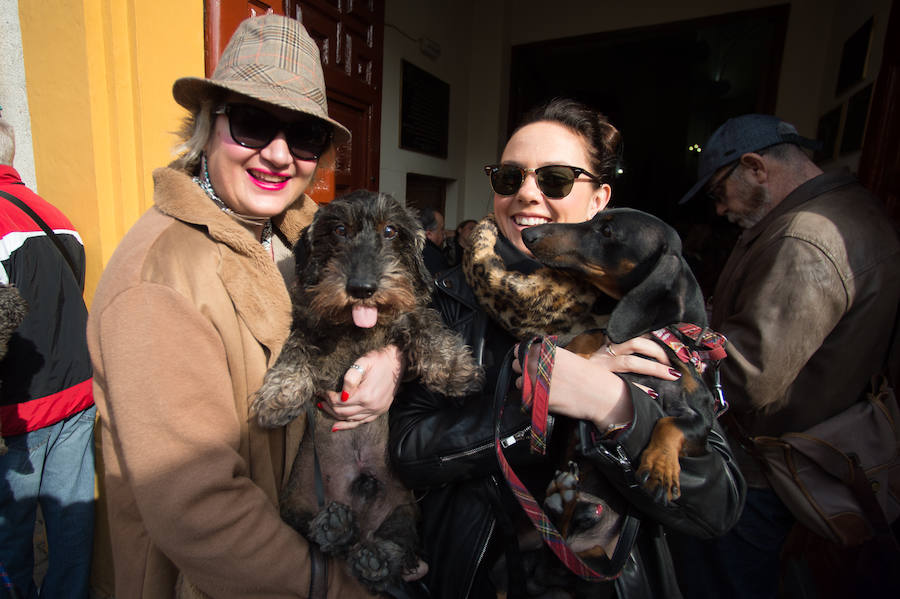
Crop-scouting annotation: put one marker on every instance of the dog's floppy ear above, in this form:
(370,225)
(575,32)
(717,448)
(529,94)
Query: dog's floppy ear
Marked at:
(424,278)
(306,268)
(668,295)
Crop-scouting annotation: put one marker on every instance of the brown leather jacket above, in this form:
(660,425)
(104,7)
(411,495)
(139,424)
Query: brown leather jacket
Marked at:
(808,300)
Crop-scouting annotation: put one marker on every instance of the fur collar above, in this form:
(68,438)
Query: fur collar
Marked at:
(176,195)
(248,271)
(525,297)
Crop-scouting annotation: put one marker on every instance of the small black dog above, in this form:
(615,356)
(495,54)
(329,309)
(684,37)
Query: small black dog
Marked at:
(361,285)
(12,312)
(636,258)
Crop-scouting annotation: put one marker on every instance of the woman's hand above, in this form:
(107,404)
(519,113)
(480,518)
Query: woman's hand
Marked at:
(369,388)
(588,389)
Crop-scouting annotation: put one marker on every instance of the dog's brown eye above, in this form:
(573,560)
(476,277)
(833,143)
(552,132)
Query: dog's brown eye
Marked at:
(606,231)
(340,231)
(389,232)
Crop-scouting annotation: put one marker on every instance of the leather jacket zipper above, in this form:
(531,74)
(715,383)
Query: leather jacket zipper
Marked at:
(484,547)
(504,442)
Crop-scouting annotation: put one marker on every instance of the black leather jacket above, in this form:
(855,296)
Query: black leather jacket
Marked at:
(443,447)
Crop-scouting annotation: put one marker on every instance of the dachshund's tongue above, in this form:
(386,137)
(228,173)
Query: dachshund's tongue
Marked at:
(365,316)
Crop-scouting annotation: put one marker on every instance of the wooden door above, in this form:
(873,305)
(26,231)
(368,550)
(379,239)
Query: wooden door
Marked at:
(223,17)
(350,35)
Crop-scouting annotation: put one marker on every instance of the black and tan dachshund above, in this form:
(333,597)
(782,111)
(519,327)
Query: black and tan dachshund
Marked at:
(634,257)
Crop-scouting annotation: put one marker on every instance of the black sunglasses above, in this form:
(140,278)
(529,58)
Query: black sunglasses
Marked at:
(712,192)
(555,180)
(253,127)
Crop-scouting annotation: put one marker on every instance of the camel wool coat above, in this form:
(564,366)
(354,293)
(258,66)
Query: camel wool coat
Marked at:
(189,314)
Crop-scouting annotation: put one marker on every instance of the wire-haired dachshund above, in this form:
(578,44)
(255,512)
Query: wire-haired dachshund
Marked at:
(634,257)
(361,285)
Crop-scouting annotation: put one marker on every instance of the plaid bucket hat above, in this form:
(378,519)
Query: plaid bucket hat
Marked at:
(270,58)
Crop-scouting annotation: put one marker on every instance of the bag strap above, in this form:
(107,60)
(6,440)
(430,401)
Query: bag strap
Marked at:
(845,467)
(318,573)
(47,230)
(747,444)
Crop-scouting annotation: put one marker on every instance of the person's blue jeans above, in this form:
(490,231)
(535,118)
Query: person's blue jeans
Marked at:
(53,467)
(742,564)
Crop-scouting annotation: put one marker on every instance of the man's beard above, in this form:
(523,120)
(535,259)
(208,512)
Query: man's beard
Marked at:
(760,203)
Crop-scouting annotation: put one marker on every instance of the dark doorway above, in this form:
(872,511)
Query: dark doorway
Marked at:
(665,88)
(424,191)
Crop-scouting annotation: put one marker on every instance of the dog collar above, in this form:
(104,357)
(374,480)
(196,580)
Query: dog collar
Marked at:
(711,344)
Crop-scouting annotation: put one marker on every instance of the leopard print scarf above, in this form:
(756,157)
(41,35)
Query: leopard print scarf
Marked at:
(525,297)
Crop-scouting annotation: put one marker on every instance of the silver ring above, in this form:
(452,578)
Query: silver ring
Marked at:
(610,351)
(358,367)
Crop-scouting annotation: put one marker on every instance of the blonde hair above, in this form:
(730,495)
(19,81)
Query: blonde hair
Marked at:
(196,129)
(7,143)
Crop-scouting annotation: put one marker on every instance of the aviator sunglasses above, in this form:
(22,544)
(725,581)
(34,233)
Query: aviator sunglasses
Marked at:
(555,180)
(255,128)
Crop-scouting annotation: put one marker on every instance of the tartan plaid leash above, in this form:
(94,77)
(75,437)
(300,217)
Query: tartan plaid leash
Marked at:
(535,394)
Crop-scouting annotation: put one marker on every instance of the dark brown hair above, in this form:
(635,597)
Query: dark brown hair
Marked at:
(602,140)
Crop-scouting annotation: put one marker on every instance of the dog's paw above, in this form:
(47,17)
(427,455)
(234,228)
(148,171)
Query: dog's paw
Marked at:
(376,565)
(659,473)
(334,528)
(561,492)
(461,377)
(281,398)
(574,511)
(588,521)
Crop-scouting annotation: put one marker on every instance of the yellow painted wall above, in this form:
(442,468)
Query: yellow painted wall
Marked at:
(99,75)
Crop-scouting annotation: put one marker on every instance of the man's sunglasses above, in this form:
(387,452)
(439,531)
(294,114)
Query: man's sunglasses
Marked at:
(555,180)
(713,192)
(255,128)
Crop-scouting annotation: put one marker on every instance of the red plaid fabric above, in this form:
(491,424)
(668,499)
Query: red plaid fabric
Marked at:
(535,394)
(713,344)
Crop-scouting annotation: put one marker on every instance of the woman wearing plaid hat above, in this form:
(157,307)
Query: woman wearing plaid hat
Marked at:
(191,311)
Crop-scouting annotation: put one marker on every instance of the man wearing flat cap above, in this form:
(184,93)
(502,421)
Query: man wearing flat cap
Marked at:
(808,300)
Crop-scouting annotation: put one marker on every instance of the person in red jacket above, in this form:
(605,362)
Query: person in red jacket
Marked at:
(46,398)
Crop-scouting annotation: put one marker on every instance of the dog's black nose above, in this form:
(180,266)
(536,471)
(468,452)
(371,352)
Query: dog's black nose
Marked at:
(361,289)
(532,235)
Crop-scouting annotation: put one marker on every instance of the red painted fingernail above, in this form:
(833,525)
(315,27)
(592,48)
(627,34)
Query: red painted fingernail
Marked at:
(674,372)
(319,405)
(344,396)
(334,428)
(652,393)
